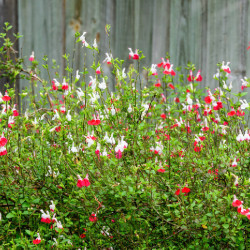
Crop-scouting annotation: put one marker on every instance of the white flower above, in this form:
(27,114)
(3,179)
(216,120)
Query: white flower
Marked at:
(230,85)
(244,104)
(189,100)
(217,75)
(240,137)
(77,75)
(93,97)
(246,136)
(42,117)
(56,116)
(68,116)
(82,38)
(52,206)
(57,84)
(73,149)
(95,44)
(153,69)
(35,122)
(79,93)
(102,85)
(108,58)
(112,110)
(130,108)
(59,224)
(92,82)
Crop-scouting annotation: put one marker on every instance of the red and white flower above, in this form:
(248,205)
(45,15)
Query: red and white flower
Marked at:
(6,97)
(37,240)
(3,140)
(32,56)
(133,55)
(45,217)
(108,58)
(225,67)
(83,182)
(65,85)
(236,202)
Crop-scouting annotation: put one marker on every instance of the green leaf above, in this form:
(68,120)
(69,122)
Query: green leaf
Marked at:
(11,215)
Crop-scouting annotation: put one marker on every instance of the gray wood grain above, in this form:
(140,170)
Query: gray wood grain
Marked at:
(203,32)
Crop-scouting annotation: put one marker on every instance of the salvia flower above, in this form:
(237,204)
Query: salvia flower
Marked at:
(133,55)
(236,202)
(244,104)
(32,56)
(232,112)
(37,240)
(93,217)
(6,97)
(103,85)
(169,71)
(98,70)
(244,83)
(153,70)
(94,121)
(185,190)
(108,58)
(83,39)
(83,182)
(55,84)
(240,137)
(95,44)
(65,85)
(45,217)
(225,67)
(3,140)
(3,151)
(77,75)
(52,206)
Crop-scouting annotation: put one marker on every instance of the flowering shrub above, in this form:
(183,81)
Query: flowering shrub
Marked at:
(153,165)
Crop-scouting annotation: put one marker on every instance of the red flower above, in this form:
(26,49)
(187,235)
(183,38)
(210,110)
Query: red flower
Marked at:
(65,85)
(6,98)
(169,71)
(133,55)
(163,116)
(158,84)
(94,122)
(208,99)
(36,241)
(83,183)
(93,217)
(98,71)
(161,170)
(177,191)
(176,99)
(171,86)
(3,151)
(236,202)
(190,77)
(32,57)
(232,112)
(86,182)
(185,190)
(58,129)
(3,140)
(198,77)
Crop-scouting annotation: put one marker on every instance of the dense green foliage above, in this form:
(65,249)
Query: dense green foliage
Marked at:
(164,159)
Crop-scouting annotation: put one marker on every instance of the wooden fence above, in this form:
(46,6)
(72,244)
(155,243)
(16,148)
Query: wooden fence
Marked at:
(204,32)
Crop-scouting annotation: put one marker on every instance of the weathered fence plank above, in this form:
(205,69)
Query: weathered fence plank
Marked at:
(203,32)
(8,13)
